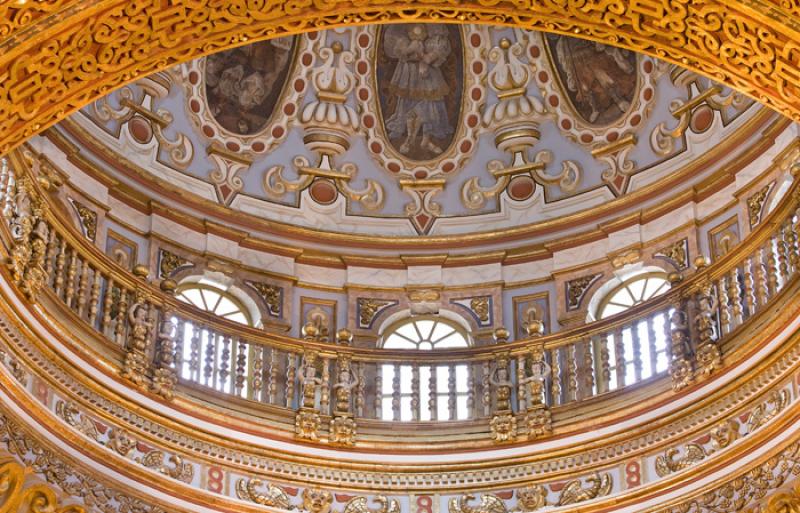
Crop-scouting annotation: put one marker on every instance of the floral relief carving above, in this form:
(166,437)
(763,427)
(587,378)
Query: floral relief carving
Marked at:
(88,219)
(577,288)
(677,253)
(272,295)
(369,308)
(169,262)
(755,205)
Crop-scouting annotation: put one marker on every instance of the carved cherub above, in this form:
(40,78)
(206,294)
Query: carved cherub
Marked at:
(309,381)
(347,381)
(501,380)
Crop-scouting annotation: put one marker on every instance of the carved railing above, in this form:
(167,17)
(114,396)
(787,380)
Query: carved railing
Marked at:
(512,386)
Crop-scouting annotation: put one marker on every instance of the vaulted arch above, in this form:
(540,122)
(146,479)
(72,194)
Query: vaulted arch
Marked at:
(57,56)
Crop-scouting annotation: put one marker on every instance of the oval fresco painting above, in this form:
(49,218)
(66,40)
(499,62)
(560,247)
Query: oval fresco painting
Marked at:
(600,80)
(420,84)
(243,85)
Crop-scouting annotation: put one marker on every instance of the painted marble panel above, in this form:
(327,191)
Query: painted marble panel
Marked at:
(600,81)
(243,85)
(420,84)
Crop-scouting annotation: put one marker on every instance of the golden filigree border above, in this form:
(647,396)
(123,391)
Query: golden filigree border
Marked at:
(53,65)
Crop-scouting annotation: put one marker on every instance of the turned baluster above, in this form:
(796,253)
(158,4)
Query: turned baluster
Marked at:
(521,388)
(604,381)
(471,407)
(274,370)
(223,370)
(378,403)
(486,398)
(681,369)
(50,258)
(291,374)
(432,394)
(256,372)
(122,313)
(572,372)
(61,259)
(761,291)
(735,298)
(451,391)
(587,371)
(241,367)
(415,397)
(619,357)
(793,243)
(361,389)
(555,381)
(325,394)
(195,346)
(72,271)
(94,298)
(108,300)
(749,292)
(83,286)
(772,266)
(783,253)
(724,305)
(180,334)
(637,352)
(396,392)
(651,343)
(210,358)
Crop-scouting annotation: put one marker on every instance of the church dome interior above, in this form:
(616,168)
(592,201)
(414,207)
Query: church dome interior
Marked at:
(417,266)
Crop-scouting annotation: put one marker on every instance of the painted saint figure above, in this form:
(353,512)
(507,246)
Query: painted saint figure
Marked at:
(420,116)
(600,80)
(243,84)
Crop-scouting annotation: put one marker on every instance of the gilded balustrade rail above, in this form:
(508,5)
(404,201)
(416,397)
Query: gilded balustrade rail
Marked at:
(511,385)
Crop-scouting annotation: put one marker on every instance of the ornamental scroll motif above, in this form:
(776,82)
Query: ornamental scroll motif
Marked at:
(272,295)
(88,219)
(370,308)
(328,122)
(421,133)
(515,118)
(600,96)
(23,492)
(750,47)
(577,288)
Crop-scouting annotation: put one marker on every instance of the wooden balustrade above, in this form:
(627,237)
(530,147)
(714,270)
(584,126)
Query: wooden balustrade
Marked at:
(168,342)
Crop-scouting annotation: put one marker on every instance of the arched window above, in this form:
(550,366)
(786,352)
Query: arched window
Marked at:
(216,300)
(425,334)
(442,389)
(206,356)
(631,292)
(644,343)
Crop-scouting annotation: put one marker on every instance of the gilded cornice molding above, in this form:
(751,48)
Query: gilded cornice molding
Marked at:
(755,136)
(55,64)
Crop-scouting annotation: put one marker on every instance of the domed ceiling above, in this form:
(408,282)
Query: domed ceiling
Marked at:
(407,130)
